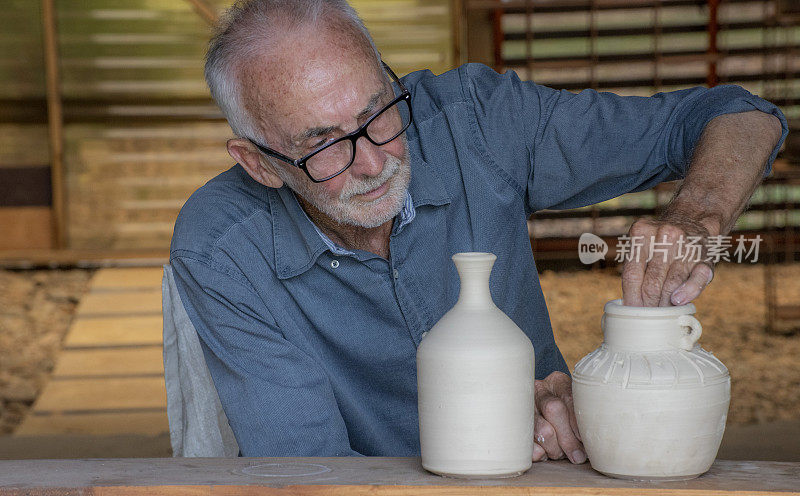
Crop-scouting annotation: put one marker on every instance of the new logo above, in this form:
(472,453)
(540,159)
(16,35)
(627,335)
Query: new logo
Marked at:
(591,248)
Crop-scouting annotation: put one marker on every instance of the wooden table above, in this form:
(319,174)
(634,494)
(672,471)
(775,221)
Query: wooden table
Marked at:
(354,476)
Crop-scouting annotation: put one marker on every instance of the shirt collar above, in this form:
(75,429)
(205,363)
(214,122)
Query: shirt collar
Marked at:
(298,242)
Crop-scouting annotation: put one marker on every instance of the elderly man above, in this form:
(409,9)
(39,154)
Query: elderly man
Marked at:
(313,267)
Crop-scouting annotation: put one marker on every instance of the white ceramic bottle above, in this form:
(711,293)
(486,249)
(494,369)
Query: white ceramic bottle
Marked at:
(651,404)
(475,373)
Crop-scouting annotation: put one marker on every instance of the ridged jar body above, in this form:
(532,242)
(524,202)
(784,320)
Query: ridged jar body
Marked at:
(651,404)
(475,373)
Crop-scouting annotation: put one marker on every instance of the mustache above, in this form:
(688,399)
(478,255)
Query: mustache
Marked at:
(390,168)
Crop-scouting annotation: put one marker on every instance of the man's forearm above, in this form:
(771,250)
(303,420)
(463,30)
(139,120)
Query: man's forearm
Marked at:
(726,168)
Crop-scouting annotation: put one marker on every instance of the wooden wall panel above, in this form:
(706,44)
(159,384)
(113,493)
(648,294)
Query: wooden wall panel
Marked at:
(25,228)
(131,71)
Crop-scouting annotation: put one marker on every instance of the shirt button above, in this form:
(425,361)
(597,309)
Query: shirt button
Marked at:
(396,273)
(424,334)
(334,264)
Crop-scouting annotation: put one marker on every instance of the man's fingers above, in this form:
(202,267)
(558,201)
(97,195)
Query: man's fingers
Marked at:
(678,274)
(562,388)
(539,454)
(554,404)
(556,413)
(632,276)
(699,278)
(654,273)
(654,277)
(661,257)
(633,271)
(545,436)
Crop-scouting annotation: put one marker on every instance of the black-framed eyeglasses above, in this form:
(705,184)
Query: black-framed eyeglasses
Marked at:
(331,159)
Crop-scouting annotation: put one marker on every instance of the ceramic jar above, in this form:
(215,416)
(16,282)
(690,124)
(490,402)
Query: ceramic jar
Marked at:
(651,404)
(475,373)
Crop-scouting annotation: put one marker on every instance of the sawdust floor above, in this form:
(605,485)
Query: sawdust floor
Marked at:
(36,308)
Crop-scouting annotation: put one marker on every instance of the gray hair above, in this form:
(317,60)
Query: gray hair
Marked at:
(250,26)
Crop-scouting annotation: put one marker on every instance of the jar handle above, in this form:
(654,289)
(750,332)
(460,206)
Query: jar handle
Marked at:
(691,336)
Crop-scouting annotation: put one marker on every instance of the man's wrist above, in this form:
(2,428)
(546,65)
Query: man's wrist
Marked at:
(694,221)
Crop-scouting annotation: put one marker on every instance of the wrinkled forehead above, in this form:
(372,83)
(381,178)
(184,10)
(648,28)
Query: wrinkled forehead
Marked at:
(305,73)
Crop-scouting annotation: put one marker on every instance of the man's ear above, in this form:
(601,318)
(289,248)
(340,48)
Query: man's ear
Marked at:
(248,156)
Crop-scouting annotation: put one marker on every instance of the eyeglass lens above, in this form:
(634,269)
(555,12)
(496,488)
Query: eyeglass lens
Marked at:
(385,127)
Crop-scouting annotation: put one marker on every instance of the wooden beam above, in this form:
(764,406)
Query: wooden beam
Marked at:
(457,16)
(55,119)
(713,29)
(205,10)
(18,258)
(497,39)
(478,34)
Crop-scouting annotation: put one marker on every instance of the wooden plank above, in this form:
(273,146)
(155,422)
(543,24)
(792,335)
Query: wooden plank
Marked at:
(787,312)
(84,395)
(367,475)
(110,362)
(117,331)
(97,424)
(137,277)
(25,228)
(129,303)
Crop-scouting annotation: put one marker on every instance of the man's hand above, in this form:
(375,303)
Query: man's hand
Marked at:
(555,431)
(726,167)
(673,275)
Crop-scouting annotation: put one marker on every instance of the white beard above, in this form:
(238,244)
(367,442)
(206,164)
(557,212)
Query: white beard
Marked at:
(346,210)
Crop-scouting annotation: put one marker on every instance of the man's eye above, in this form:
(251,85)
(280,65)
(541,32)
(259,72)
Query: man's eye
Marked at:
(317,143)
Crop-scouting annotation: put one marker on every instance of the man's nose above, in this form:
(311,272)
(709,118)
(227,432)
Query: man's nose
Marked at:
(369,159)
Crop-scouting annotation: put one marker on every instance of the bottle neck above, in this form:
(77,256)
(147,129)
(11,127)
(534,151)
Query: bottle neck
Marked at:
(630,333)
(474,270)
(475,289)
(646,334)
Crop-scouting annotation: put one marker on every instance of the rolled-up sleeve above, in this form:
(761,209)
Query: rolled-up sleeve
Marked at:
(567,150)
(277,398)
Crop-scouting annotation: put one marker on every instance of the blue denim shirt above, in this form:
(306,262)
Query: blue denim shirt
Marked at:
(312,349)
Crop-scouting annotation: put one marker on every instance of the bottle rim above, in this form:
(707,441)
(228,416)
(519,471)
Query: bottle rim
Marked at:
(615,307)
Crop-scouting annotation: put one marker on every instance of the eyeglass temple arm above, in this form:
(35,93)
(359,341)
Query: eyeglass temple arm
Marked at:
(391,73)
(273,153)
